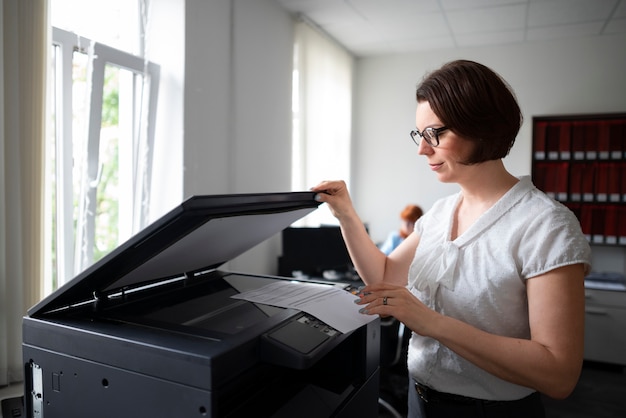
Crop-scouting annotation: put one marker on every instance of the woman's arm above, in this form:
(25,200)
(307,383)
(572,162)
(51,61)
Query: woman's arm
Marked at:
(371,264)
(550,362)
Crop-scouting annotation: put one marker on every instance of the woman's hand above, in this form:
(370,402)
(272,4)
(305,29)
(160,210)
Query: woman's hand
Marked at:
(397,301)
(336,194)
(367,259)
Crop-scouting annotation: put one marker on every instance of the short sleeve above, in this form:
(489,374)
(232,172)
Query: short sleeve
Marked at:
(553,240)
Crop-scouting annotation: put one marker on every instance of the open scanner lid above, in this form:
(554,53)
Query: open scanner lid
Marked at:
(200,234)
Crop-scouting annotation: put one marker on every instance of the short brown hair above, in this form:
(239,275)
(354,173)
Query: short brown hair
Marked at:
(411,213)
(477,104)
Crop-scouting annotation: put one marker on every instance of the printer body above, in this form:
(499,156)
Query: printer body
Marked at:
(152,329)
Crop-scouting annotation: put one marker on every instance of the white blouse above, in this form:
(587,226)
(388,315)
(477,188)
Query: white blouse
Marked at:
(480,278)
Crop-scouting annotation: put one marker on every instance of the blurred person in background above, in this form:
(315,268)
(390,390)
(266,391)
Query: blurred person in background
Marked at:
(409,215)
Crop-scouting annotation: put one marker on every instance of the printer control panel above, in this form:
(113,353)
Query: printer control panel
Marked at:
(317,325)
(298,342)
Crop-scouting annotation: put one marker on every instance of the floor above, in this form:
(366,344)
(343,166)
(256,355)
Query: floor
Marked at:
(11,401)
(600,393)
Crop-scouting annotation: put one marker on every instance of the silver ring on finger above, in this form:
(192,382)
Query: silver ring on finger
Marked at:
(385,300)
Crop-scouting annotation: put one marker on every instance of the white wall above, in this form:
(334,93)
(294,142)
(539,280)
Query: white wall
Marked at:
(237,118)
(237,104)
(554,77)
(166,37)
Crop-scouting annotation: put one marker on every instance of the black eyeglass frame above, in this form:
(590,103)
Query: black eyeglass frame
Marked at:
(430,135)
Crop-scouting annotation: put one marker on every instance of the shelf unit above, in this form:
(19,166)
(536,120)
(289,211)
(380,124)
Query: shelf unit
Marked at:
(605,319)
(580,160)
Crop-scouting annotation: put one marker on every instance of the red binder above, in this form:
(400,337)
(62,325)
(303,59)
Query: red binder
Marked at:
(621,226)
(561,186)
(610,224)
(602,182)
(540,140)
(597,225)
(604,143)
(591,140)
(553,140)
(565,140)
(587,184)
(575,182)
(578,140)
(617,139)
(623,181)
(614,188)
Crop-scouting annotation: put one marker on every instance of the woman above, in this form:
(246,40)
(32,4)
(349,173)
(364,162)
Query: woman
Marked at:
(491,282)
(409,215)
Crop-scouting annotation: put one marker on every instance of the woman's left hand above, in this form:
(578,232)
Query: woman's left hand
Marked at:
(397,301)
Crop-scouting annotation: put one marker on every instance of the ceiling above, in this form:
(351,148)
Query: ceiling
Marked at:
(376,27)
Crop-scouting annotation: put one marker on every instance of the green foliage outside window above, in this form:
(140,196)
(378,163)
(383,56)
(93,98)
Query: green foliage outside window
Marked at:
(107,206)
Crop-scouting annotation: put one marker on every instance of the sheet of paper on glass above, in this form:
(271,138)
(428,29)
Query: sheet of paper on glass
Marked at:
(328,303)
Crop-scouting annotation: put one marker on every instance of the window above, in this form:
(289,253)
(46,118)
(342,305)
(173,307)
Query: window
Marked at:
(99,151)
(322,114)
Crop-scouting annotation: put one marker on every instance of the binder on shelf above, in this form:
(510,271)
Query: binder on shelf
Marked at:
(610,224)
(591,140)
(597,225)
(617,141)
(565,140)
(553,140)
(539,142)
(587,184)
(561,178)
(575,182)
(578,140)
(614,177)
(602,182)
(552,179)
(604,143)
(621,226)
(623,180)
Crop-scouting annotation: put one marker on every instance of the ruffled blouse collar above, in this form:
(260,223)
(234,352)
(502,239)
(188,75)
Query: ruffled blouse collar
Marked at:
(436,266)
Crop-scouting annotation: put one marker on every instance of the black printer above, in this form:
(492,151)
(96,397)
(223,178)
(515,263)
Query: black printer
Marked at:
(151,330)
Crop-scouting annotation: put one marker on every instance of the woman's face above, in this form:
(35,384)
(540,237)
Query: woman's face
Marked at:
(445,159)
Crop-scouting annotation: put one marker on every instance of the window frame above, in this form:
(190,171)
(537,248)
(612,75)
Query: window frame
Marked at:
(72,258)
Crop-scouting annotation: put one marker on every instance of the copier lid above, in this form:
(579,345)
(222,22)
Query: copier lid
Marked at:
(200,234)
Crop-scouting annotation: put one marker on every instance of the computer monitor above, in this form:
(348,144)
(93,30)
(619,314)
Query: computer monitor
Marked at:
(314,252)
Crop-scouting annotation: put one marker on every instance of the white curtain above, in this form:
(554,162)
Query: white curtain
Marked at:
(322,112)
(23,60)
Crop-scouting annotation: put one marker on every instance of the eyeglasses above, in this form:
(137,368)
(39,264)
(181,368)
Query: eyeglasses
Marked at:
(431,135)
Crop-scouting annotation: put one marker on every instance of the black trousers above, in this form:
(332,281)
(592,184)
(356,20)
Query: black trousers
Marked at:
(528,407)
